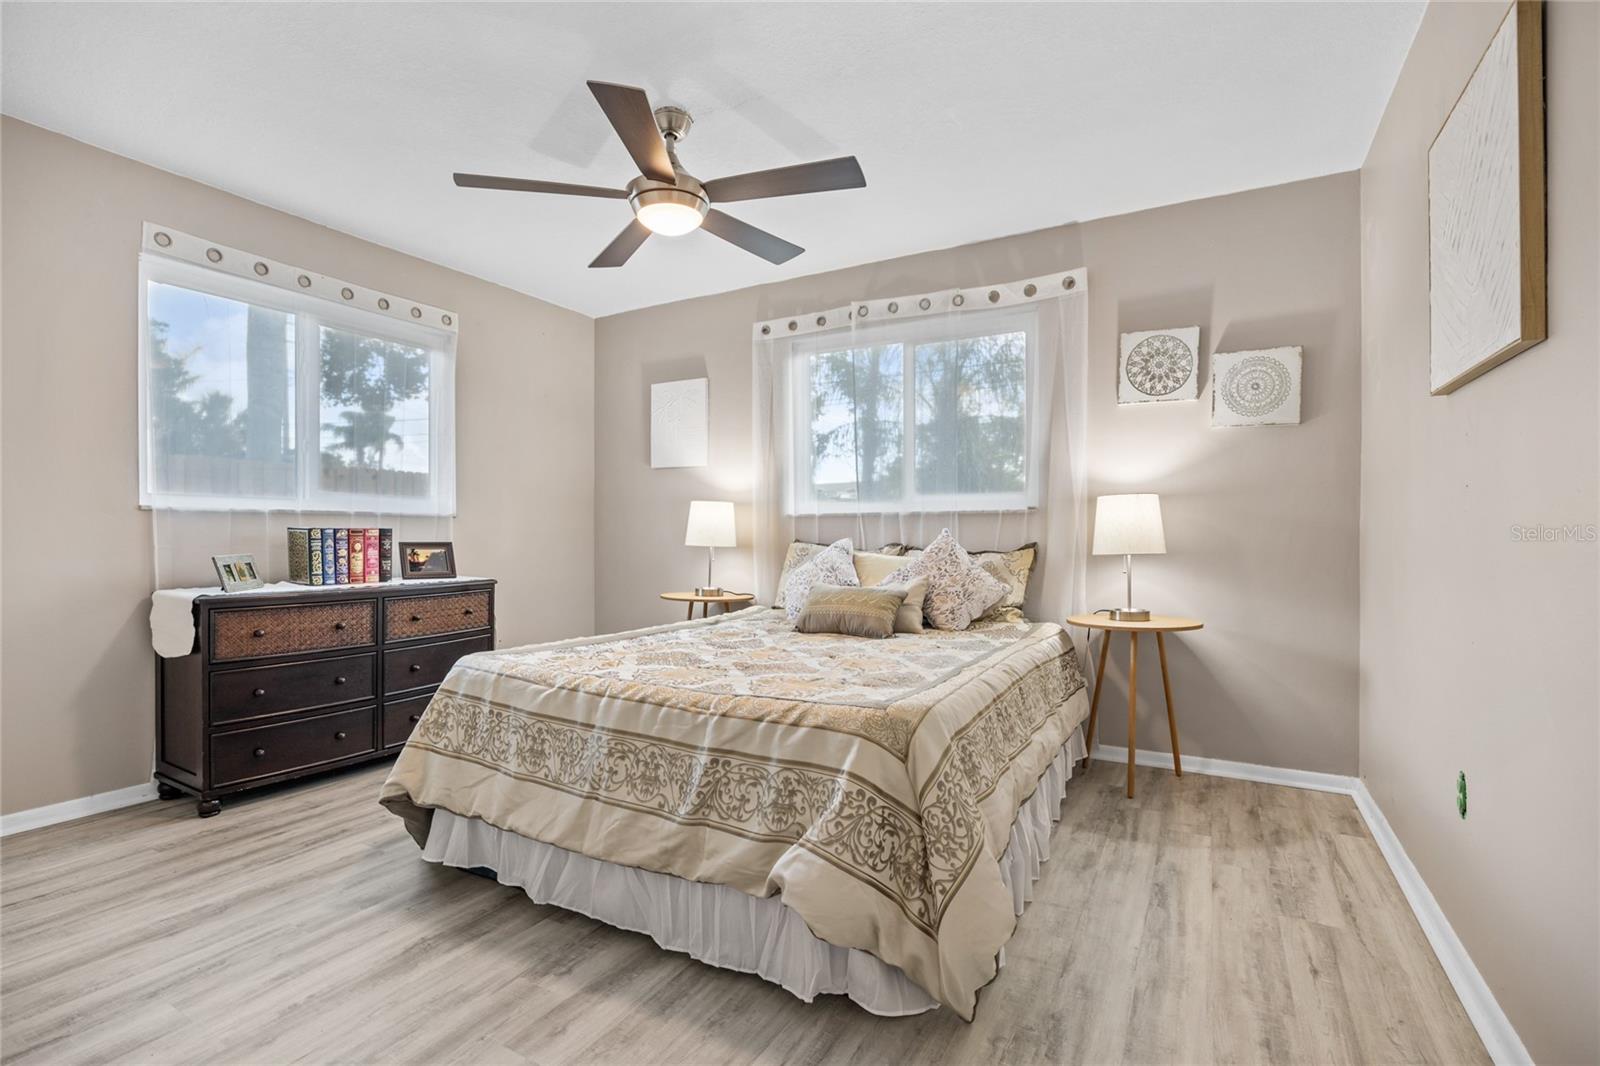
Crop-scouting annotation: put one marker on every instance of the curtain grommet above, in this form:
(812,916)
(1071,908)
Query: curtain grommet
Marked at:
(383,304)
(416,312)
(862,310)
(1069,282)
(822,320)
(894,308)
(1030,289)
(446,319)
(958,299)
(164,240)
(793,325)
(925,303)
(305,282)
(994,296)
(261,269)
(766,331)
(213,255)
(347,293)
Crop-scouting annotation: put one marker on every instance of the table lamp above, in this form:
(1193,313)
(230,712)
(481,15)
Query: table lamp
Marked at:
(1129,525)
(710,527)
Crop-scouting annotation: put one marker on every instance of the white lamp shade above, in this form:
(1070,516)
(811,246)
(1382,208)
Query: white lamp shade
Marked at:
(710,525)
(1129,525)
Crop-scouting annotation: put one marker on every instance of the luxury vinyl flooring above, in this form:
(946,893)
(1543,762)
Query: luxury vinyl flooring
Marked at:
(1208,920)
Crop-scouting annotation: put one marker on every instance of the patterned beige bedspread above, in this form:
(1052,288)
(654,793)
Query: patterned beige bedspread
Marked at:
(872,782)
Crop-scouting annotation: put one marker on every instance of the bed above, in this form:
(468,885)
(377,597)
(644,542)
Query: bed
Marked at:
(835,814)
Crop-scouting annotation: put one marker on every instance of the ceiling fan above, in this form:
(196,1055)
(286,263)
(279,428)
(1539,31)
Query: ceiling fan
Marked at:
(667,199)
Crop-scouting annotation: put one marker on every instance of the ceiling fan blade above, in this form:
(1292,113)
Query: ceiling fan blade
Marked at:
(488,181)
(626,243)
(744,235)
(830,174)
(628,108)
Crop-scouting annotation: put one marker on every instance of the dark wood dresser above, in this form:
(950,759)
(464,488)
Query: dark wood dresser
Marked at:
(285,684)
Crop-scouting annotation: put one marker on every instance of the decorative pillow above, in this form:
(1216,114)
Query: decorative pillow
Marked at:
(873,567)
(1013,568)
(799,552)
(893,548)
(830,566)
(959,590)
(852,611)
(908,619)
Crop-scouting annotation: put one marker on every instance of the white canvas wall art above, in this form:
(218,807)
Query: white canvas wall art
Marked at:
(1260,388)
(1159,364)
(680,422)
(1486,212)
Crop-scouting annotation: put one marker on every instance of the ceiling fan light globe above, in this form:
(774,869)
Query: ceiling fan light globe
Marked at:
(669,219)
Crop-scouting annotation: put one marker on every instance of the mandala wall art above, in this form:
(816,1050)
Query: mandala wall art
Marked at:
(1256,388)
(1159,364)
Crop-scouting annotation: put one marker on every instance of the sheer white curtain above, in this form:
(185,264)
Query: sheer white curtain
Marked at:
(888,420)
(272,398)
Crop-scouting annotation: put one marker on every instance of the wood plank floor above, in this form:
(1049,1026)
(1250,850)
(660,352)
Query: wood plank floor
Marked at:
(1208,920)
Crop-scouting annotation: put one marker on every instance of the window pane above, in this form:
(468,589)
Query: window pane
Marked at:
(856,423)
(970,402)
(221,396)
(374,416)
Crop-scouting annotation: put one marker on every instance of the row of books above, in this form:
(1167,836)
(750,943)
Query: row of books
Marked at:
(321,555)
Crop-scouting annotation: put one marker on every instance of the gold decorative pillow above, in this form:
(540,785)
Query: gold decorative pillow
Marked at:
(1013,568)
(873,567)
(908,619)
(854,612)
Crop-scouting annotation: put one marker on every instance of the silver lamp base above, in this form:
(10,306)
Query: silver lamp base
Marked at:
(1129,614)
(707,590)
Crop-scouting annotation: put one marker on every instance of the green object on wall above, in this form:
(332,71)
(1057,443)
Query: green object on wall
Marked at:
(1461,793)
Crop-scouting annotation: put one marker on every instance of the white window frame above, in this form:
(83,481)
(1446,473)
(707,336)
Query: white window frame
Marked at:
(801,495)
(311,314)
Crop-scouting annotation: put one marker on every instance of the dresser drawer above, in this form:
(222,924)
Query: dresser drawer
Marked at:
(257,632)
(400,718)
(426,664)
(427,616)
(262,690)
(276,749)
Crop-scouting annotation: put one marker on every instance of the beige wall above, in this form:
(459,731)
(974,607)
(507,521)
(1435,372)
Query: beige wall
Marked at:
(77,567)
(1477,651)
(1261,523)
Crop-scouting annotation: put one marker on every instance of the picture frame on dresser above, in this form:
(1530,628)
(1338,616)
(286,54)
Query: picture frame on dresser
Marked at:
(285,684)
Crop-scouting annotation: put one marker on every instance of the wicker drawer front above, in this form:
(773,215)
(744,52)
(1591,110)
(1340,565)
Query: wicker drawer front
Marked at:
(254,633)
(264,690)
(276,749)
(426,616)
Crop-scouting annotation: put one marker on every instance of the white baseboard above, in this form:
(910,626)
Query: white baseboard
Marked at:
(67,810)
(1244,771)
(1494,1028)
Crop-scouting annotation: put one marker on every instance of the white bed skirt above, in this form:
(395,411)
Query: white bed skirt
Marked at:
(725,927)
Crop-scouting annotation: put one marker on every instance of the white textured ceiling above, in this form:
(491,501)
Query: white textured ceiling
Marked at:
(971,121)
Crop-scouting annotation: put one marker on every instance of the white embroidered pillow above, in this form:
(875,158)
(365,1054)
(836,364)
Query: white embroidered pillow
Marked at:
(830,566)
(959,590)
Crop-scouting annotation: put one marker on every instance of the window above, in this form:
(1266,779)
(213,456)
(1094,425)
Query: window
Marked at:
(253,398)
(924,415)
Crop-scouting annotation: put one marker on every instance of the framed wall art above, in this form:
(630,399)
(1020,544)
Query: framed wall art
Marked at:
(1486,211)
(1260,388)
(680,422)
(1159,364)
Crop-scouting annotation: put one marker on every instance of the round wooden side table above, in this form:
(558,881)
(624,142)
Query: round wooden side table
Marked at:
(1160,625)
(727,600)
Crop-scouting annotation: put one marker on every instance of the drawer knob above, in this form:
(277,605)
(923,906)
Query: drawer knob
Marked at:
(416,718)
(416,618)
(259,633)
(258,693)
(338,681)
(259,752)
(415,667)
(467,611)
(338,625)
(340,735)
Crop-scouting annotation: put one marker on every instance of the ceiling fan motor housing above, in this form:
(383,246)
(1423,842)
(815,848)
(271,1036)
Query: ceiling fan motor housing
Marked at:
(673,122)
